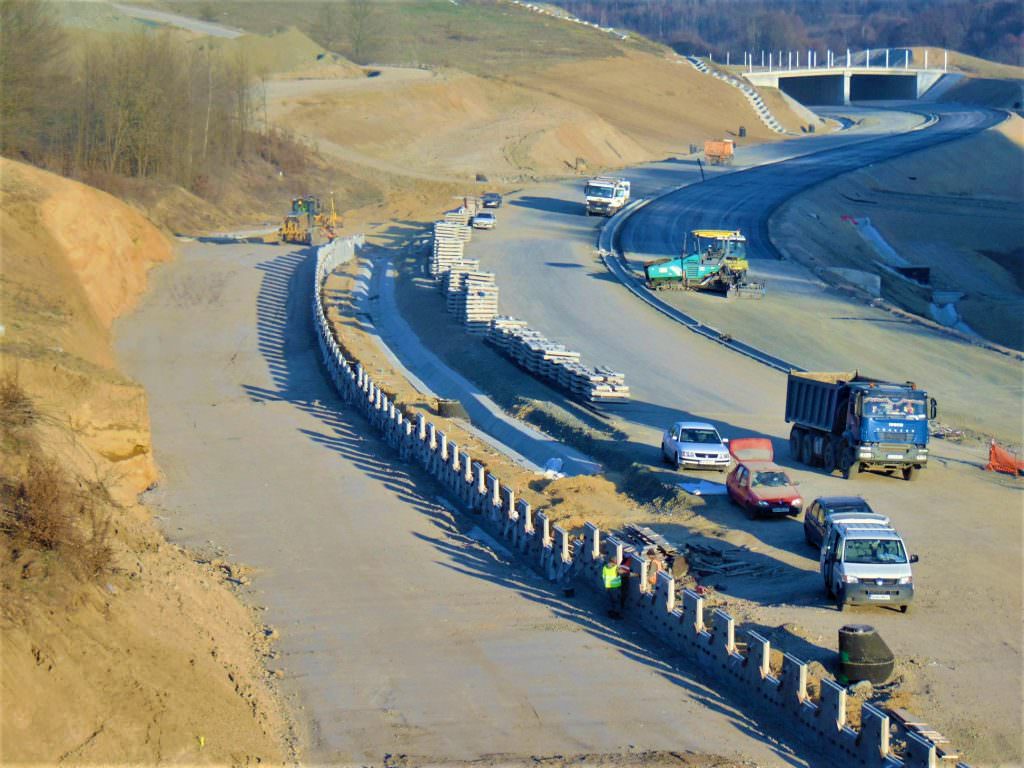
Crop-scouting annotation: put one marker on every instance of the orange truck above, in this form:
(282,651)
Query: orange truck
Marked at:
(717,152)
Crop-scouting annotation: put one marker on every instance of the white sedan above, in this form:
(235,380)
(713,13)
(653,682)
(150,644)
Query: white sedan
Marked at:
(484,220)
(696,445)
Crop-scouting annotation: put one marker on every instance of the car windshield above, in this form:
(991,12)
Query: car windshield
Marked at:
(594,191)
(875,552)
(708,436)
(882,406)
(771,479)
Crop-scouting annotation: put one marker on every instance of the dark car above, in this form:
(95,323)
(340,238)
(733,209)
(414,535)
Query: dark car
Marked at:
(829,510)
(491,200)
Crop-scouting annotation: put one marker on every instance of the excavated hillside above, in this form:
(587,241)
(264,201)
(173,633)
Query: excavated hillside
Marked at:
(118,647)
(581,116)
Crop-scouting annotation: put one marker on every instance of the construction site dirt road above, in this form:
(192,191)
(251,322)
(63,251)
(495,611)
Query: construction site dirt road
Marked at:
(400,633)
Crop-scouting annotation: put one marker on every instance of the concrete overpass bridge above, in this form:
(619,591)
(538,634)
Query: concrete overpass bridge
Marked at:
(836,85)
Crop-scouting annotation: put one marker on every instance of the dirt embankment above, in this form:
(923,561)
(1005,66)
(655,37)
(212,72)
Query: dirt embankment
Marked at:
(954,209)
(580,116)
(147,655)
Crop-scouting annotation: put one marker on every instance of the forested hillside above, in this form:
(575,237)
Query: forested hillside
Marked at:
(991,29)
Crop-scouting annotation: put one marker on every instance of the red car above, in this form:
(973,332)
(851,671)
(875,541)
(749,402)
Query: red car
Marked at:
(756,484)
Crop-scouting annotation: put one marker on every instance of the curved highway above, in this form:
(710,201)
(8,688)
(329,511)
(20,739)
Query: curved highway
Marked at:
(542,252)
(745,200)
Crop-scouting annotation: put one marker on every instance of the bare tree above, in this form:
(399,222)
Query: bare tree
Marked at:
(31,56)
(330,26)
(364,29)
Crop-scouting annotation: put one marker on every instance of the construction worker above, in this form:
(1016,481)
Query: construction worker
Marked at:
(654,566)
(612,581)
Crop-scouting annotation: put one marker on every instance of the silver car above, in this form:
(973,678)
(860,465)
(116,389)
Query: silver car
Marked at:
(484,220)
(695,445)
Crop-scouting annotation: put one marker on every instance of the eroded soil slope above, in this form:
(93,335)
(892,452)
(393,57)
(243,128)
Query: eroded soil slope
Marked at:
(145,655)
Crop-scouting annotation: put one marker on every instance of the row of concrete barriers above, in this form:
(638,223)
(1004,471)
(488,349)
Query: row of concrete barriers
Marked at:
(708,642)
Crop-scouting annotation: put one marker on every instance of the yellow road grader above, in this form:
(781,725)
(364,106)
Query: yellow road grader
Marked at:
(308,223)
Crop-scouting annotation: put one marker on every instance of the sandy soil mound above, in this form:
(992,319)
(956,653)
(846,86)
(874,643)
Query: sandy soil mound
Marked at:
(156,653)
(74,259)
(462,124)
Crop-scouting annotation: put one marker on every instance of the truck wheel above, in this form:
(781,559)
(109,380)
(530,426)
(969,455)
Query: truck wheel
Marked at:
(904,608)
(795,439)
(679,461)
(829,460)
(840,599)
(807,450)
(909,473)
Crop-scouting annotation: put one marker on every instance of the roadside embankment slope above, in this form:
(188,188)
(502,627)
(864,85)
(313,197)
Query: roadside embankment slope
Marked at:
(954,209)
(146,656)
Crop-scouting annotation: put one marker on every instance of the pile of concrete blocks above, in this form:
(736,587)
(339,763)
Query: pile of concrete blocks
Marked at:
(451,281)
(555,363)
(476,304)
(706,640)
(464,213)
(450,238)
(471,295)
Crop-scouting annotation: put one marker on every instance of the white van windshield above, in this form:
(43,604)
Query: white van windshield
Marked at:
(874,552)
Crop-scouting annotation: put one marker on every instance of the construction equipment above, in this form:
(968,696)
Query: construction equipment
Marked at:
(308,223)
(850,422)
(714,260)
(719,151)
(605,195)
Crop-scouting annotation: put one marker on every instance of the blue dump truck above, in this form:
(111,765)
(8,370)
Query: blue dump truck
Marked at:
(850,422)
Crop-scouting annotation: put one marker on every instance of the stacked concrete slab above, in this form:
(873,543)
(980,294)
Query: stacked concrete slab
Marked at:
(475,302)
(449,243)
(555,363)
(706,640)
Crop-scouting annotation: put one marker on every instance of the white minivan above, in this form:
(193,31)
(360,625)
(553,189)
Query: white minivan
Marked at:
(867,564)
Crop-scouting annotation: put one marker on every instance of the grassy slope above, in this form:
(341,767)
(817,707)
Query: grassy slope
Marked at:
(472,37)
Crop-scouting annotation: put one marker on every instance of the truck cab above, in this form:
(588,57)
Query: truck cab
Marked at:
(867,564)
(889,426)
(605,196)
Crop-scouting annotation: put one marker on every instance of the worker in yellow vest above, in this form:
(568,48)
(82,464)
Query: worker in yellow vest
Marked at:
(612,579)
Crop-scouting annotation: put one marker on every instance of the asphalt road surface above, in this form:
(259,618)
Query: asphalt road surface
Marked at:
(543,254)
(400,633)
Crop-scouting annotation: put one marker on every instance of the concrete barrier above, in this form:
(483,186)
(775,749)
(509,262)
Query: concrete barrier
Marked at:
(708,642)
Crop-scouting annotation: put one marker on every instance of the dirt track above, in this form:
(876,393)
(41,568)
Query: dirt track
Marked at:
(399,633)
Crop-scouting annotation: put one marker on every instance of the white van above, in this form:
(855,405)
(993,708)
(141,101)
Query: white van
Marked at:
(867,564)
